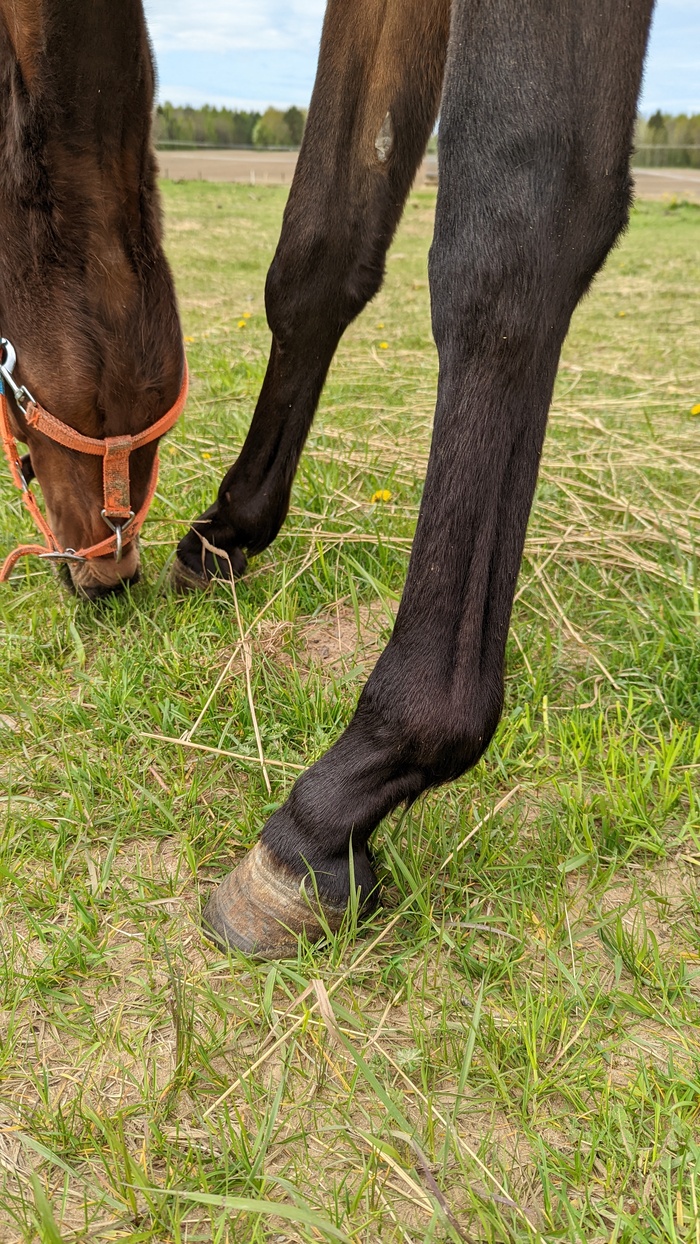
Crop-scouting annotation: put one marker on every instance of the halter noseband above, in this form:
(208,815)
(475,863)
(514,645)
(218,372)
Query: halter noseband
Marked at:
(114,451)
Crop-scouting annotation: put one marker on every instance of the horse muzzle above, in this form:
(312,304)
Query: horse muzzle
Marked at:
(116,512)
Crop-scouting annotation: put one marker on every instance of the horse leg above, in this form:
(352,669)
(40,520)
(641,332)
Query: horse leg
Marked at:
(374,105)
(535,136)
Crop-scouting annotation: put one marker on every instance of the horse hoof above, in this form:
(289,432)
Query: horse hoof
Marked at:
(184,579)
(261,909)
(197,573)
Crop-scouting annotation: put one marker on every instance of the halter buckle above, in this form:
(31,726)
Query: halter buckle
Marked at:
(68,555)
(20,393)
(118,527)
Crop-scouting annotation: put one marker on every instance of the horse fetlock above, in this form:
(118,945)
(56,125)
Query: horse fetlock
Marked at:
(453,757)
(429,731)
(313,835)
(255,519)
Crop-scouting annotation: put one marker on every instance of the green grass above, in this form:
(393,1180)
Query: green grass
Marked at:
(511,1049)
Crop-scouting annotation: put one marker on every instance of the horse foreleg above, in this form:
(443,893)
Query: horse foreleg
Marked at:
(373,108)
(536,130)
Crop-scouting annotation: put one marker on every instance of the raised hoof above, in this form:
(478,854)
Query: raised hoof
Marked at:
(261,909)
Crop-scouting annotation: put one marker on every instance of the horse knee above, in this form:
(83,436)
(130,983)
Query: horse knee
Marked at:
(319,281)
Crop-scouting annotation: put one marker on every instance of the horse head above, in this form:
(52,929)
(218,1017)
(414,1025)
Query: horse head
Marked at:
(86,295)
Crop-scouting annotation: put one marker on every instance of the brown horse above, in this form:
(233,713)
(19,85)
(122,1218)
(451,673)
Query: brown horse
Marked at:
(537,102)
(86,296)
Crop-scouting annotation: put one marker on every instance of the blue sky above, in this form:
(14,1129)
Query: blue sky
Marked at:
(249,53)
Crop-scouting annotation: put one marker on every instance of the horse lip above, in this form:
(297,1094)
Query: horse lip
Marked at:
(95,591)
(102,591)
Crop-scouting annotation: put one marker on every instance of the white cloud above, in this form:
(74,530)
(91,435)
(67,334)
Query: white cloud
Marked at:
(234,25)
(197,97)
(266,50)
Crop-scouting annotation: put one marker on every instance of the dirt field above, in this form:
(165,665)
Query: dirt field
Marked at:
(275,167)
(255,167)
(244,166)
(656,183)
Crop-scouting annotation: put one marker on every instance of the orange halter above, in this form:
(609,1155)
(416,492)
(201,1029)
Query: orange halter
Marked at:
(114,451)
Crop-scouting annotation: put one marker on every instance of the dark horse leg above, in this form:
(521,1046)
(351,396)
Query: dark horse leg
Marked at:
(536,129)
(374,105)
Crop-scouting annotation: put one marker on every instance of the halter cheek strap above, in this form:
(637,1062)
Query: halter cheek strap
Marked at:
(115,452)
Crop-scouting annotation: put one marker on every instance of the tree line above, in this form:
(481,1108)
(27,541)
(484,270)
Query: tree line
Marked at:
(662,139)
(224,127)
(668,140)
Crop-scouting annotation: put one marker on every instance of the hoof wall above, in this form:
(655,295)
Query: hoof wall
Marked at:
(184,579)
(261,909)
(198,573)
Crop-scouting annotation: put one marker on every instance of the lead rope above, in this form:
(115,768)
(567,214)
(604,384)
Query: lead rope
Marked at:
(9,445)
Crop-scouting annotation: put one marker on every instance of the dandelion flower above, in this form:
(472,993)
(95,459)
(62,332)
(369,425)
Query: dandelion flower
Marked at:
(383,345)
(205,454)
(241,323)
(382,495)
(622,314)
(246,315)
(188,341)
(695,410)
(380,325)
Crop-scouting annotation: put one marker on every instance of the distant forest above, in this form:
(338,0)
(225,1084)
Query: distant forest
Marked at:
(667,140)
(221,127)
(661,140)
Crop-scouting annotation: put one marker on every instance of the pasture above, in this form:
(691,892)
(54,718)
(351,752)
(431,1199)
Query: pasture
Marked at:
(510,1049)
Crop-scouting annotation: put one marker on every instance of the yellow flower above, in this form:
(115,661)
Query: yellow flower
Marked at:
(380,325)
(383,345)
(241,323)
(622,314)
(695,410)
(172,449)
(539,930)
(382,495)
(189,340)
(205,455)
(246,315)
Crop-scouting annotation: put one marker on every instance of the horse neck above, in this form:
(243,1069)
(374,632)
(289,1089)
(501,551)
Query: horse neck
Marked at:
(87,59)
(76,85)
